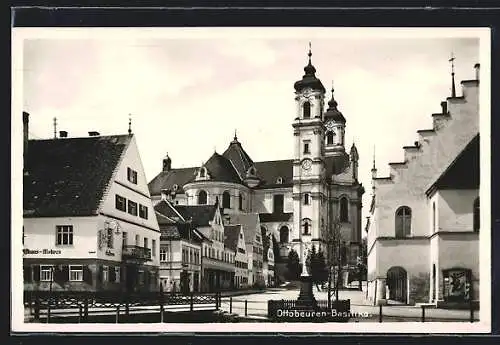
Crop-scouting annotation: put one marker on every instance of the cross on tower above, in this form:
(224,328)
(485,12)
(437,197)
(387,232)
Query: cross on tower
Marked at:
(453,90)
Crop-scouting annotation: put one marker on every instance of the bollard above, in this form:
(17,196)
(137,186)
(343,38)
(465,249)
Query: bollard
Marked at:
(117,314)
(126,311)
(86,310)
(191,306)
(161,313)
(423,313)
(471,313)
(246,307)
(48,313)
(230,305)
(80,313)
(380,313)
(37,308)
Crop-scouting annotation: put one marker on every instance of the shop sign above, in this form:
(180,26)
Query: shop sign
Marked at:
(27,251)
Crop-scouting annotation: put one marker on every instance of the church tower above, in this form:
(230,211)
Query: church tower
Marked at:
(308,165)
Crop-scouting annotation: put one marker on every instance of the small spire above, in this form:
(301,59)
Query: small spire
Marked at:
(332,103)
(235,139)
(452,60)
(310,52)
(129,124)
(55,127)
(374,167)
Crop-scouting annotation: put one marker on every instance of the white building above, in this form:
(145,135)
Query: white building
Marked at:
(235,240)
(424,218)
(89,222)
(297,198)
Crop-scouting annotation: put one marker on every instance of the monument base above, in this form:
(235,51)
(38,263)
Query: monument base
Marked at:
(306,295)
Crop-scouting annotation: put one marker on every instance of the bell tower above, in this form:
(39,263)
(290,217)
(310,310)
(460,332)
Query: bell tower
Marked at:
(308,163)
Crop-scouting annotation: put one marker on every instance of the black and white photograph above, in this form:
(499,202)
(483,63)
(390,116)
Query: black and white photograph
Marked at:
(214,179)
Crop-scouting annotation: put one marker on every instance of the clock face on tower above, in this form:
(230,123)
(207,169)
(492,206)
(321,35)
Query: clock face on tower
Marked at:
(306,164)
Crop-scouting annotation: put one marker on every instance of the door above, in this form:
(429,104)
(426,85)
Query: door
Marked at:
(397,284)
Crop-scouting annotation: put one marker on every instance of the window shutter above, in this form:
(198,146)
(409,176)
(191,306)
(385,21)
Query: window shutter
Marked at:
(27,274)
(36,273)
(87,275)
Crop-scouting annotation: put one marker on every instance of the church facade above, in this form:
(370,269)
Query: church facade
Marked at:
(299,200)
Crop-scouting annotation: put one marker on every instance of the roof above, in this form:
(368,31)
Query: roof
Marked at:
(275,217)
(309,79)
(249,223)
(220,169)
(463,172)
(166,209)
(269,171)
(238,156)
(181,231)
(68,177)
(332,112)
(201,215)
(231,236)
(167,179)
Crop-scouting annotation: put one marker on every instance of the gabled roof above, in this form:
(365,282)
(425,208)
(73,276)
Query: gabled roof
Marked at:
(167,179)
(68,177)
(238,156)
(249,223)
(166,209)
(200,215)
(463,172)
(231,236)
(275,217)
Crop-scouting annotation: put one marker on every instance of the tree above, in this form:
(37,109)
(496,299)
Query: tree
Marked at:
(316,266)
(276,251)
(293,265)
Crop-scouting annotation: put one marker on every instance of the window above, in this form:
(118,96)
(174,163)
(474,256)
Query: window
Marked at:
(153,247)
(279,180)
(226,200)
(434,217)
(132,208)
(403,221)
(132,175)
(202,197)
(120,203)
(203,172)
(146,242)
(306,198)
(329,137)
(278,200)
(64,235)
(105,273)
(117,274)
(284,233)
(306,223)
(137,239)
(163,255)
(476,215)
(140,277)
(307,110)
(344,210)
(46,273)
(109,238)
(124,239)
(206,252)
(240,202)
(306,147)
(143,211)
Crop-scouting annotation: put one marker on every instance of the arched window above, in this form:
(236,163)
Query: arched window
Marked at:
(329,138)
(306,224)
(202,197)
(240,202)
(403,221)
(306,198)
(203,172)
(476,215)
(307,110)
(284,233)
(226,200)
(344,210)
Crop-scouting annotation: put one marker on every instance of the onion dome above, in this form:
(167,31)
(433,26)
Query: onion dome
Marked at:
(309,79)
(332,113)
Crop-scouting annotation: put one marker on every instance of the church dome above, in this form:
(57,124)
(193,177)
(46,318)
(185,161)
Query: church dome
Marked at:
(332,113)
(309,79)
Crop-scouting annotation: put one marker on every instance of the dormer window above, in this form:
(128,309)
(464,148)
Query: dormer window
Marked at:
(175,187)
(279,180)
(203,172)
(251,171)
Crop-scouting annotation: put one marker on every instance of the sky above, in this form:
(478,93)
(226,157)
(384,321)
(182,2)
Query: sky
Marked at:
(188,93)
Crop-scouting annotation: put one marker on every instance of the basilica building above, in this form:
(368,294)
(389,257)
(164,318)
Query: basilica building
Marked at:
(299,201)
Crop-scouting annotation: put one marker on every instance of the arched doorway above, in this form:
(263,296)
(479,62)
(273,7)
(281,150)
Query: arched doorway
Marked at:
(284,233)
(397,284)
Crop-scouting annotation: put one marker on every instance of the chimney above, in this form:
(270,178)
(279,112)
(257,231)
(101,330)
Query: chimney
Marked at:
(444,108)
(94,134)
(26,119)
(476,67)
(63,134)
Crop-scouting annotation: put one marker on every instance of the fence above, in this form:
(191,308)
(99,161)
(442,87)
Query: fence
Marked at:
(427,313)
(46,305)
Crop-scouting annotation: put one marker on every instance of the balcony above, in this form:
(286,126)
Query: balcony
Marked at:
(136,253)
